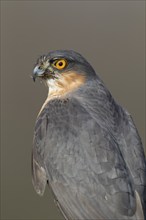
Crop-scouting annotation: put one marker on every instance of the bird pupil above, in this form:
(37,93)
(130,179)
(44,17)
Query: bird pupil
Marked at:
(60,63)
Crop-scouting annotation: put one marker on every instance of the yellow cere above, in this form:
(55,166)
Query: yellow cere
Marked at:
(60,64)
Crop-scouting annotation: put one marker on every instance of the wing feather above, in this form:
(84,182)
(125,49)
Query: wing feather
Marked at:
(39,178)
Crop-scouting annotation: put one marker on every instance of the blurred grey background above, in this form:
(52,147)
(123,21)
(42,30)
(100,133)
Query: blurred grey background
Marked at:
(110,34)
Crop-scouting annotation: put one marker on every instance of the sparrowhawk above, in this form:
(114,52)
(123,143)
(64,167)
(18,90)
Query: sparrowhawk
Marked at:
(86,146)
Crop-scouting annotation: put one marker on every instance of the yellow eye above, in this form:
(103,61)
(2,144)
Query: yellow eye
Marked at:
(60,64)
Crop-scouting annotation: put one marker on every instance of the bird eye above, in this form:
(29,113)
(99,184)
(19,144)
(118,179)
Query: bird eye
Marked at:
(60,64)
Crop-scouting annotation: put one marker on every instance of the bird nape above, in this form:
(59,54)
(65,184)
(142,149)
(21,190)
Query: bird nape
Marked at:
(86,146)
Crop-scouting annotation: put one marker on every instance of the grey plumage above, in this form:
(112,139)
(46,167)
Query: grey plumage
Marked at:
(88,149)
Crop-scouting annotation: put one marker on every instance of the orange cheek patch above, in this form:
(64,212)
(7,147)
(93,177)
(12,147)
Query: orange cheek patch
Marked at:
(67,83)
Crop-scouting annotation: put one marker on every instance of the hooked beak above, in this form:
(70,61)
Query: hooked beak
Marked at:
(37,72)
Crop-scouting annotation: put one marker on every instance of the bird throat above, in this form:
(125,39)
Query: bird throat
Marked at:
(65,84)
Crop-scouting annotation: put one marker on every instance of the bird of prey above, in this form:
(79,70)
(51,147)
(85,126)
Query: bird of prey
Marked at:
(86,146)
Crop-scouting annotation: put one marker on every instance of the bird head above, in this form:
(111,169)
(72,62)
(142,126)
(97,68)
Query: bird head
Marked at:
(63,69)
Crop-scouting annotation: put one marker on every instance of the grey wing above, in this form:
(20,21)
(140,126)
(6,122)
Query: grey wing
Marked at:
(39,178)
(89,176)
(118,122)
(102,108)
(133,153)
